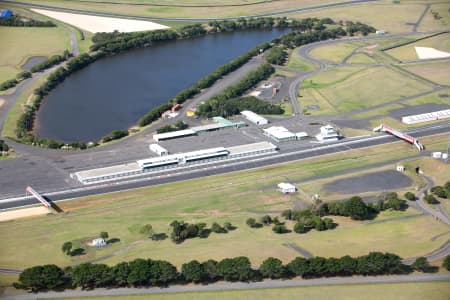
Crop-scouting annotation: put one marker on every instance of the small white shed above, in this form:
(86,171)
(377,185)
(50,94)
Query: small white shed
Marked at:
(400,168)
(98,242)
(286,188)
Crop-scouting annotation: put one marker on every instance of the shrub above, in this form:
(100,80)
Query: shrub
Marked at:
(410,196)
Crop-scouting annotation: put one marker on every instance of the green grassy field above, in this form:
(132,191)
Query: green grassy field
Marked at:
(386,15)
(438,72)
(429,22)
(230,197)
(334,53)
(18,44)
(345,89)
(296,63)
(406,53)
(392,291)
(360,58)
(187,12)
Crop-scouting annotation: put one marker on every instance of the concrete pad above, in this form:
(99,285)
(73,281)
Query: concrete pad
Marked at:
(428,52)
(371,182)
(100,24)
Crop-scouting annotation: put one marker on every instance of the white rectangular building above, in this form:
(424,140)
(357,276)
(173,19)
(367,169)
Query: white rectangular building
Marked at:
(280,134)
(286,188)
(158,149)
(427,117)
(252,117)
(173,134)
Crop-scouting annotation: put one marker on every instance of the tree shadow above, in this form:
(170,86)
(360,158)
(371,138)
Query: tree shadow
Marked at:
(77,252)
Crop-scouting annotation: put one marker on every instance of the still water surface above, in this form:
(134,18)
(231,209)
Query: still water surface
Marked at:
(114,92)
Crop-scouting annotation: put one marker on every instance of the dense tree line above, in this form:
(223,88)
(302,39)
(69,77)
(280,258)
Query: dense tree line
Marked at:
(276,56)
(148,272)
(230,107)
(153,114)
(183,230)
(21,21)
(223,105)
(180,125)
(358,27)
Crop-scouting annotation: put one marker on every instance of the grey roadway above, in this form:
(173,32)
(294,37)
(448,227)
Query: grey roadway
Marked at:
(226,166)
(230,286)
(104,14)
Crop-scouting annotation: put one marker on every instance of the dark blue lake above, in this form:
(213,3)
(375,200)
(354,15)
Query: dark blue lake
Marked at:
(114,92)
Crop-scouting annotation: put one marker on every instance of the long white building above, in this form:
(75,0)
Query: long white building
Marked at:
(254,118)
(156,164)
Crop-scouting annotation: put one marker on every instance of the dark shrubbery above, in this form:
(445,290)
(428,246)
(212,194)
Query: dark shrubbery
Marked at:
(154,114)
(148,272)
(114,135)
(276,56)
(21,21)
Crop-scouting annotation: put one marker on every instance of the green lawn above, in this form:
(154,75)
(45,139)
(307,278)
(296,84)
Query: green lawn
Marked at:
(18,44)
(361,58)
(296,63)
(230,197)
(346,89)
(385,291)
(334,53)
(405,53)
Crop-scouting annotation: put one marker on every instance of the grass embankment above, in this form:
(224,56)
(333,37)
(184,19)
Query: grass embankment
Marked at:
(394,18)
(361,58)
(9,126)
(385,291)
(345,89)
(20,43)
(407,52)
(230,197)
(187,12)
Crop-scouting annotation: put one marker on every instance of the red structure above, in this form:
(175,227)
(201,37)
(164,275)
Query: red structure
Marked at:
(36,195)
(401,135)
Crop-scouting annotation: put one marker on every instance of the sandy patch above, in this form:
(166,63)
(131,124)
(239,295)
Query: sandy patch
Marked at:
(22,213)
(427,53)
(2,102)
(101,24)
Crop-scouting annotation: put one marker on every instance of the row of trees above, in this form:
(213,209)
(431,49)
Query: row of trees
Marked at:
(148,272)
(114,135)
(21,21)
(183,230)
(15,81)
(276,56)
(221,104)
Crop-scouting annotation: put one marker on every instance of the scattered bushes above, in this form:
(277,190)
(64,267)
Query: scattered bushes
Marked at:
(252,223)
(430,199)
(441,192)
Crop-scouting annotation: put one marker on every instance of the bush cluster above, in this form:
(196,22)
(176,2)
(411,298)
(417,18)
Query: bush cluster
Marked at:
(21,21)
